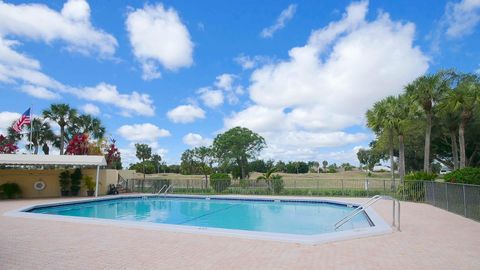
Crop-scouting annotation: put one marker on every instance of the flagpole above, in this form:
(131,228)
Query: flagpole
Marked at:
(31,130)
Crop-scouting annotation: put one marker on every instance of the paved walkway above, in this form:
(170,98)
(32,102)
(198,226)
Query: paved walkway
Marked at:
(431,238)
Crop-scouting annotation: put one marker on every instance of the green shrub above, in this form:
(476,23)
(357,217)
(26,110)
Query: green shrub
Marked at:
(412,190)
(76,178)
(277,183)
(466,175)
(421,176)
(64,180)
(220,181)
(11,190)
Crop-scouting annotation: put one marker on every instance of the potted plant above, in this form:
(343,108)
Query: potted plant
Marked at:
(11,190)
(76,177)
(64,180)
(89,185)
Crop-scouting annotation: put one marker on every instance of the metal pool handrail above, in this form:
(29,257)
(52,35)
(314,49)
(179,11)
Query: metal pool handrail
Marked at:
(364,206)
(166,190)
(160,191)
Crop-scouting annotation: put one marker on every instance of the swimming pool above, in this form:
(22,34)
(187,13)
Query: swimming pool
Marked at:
(297,220)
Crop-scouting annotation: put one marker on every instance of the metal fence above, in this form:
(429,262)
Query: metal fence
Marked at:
(462,199)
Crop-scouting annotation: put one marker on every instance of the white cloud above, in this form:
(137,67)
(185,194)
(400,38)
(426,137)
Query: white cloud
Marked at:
(39,92)
(140,104)
(89,108)
(6,120)
(211,98)
(225,81)
(185,114)
(142,132)
(72,25)
(196,140)
(285,16)
(249,62)
(462,17)
(158,36)
(306,101)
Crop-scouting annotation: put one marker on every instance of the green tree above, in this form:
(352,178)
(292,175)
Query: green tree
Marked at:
(324,164)
(382,125)
(401,116)
(238,145)
(464,100)
(368,157)
(63,115)
(86,124)
(156,159)
(267,176)
(427,91)
(143,152)
(41,134)
(204,158)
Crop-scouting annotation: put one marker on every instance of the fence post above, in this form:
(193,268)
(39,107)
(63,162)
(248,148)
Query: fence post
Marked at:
(434,186)
(384,186)
(343,191)
(446,194)
(295,183)
(318,184)
(366,182)
(403,191)
(464,202)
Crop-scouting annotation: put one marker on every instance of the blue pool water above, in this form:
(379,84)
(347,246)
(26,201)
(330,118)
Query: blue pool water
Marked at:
(299,217)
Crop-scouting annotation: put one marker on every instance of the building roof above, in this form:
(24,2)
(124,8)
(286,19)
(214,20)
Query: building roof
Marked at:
(19,159)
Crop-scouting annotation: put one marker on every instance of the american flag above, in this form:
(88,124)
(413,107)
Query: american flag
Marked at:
(24,120)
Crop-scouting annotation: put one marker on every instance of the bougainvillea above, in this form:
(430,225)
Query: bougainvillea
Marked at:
(78,145)
(6,146)
(113,155)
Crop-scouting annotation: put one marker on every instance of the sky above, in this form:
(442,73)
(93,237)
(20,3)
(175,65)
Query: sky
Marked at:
(174,74)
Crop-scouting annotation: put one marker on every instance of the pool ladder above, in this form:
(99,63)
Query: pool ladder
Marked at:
(361,208)
(164,189)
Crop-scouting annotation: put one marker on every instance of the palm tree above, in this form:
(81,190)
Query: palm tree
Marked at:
(42,133)
(156,159)
(449,121)
(324,164)
(268,176)
(63,115)
(427,91)
(143,152)
(464,100)
(87,124)
(400,114)
(380,124)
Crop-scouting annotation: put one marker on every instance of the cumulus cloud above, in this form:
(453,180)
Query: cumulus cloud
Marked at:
(285,16)
(142,132)
(196,140)
(158,36)
(6,120)
(185,114)
(71,25)
(137,103)
(462,17)
(211,98)
(89,108)
(39,92)
(306,101)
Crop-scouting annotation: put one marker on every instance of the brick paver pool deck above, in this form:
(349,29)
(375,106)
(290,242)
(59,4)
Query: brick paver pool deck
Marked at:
(431,238)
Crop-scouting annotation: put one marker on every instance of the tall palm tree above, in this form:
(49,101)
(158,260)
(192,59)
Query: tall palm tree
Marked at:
(464,100)
(449,121)
(379,123)
(63,115)
(41,134)
(400,114)
(86,124)
(427,91)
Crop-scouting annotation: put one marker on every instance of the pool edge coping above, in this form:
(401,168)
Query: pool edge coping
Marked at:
(380,227)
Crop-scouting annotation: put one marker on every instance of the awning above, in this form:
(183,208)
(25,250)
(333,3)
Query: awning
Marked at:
(20,159)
